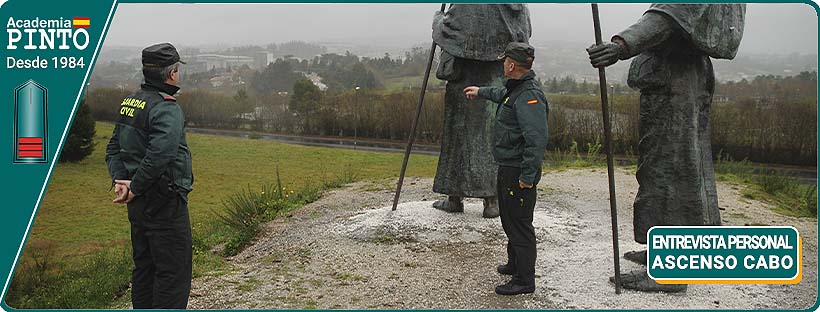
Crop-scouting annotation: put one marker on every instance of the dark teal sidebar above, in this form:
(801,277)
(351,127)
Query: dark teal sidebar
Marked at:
(48,50)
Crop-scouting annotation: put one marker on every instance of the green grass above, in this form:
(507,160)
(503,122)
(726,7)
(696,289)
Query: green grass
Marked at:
(572,158)
(78,221)
(787,195)
(346,277)
(77,215)
(249,285)
(406,82)
(49,283)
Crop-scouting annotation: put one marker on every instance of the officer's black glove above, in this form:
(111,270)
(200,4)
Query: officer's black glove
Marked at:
(604,54)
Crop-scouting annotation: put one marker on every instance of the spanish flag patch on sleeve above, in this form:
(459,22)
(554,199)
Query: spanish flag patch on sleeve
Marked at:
(533,101)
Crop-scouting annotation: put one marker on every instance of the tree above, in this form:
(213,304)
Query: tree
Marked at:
(568,85)
(362,77)
(306,97)
(278,76)
(243,102)
(80,141)
(553,86)
(305,101)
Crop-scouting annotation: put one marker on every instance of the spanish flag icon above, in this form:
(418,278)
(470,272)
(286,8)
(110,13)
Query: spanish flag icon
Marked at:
(81,22)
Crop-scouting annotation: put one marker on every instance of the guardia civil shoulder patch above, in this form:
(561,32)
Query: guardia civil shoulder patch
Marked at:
(533,101)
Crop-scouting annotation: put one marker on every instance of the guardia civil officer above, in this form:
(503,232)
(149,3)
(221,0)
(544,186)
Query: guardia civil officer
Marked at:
(149,161)
(519,141)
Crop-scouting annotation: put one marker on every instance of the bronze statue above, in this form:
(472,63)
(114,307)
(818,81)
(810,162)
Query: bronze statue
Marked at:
(471,37)
(672,44)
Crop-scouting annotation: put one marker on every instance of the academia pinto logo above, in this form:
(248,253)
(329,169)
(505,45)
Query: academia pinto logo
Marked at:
(46,34)
(724,255)
(30,37)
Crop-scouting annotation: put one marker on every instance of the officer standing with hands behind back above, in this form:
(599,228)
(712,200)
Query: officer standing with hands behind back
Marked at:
(149,161)
(519,141)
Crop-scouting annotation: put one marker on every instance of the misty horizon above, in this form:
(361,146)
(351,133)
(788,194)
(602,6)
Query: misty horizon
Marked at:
(770,28)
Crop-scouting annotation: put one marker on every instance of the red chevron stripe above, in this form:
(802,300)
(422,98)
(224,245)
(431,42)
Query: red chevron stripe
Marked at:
(30,140)
(38,154)
(30,147)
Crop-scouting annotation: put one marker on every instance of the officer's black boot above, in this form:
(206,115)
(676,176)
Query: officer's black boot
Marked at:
(451,204)
(506,269)
(491,207)
(514,287)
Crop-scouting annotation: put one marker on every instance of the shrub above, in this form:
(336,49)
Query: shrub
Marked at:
(809,199)
(773,182)
(246,210)
(725,165)
(572,157)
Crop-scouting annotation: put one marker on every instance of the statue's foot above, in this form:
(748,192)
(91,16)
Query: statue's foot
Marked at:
(491,207)
(638,256)
(451,204)
(640,281)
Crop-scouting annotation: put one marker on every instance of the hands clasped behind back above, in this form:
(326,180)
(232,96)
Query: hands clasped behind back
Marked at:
(123,190)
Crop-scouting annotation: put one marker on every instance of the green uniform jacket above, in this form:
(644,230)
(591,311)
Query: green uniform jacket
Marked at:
(520,133)
(148,145)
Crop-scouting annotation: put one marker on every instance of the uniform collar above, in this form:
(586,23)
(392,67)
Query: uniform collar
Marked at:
(530,75)
(160,86)
(513,83)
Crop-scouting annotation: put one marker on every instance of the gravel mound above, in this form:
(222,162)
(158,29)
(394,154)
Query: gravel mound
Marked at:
(350,251)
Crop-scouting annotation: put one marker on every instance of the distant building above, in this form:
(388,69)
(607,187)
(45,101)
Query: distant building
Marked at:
(317,81)
(205,62)
(262,59)
(226,80)
(718,98)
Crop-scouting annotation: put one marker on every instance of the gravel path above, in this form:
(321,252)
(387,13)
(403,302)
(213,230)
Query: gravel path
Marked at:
(349,251)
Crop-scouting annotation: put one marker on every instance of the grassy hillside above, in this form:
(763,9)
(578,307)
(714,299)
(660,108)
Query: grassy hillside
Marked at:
(77,215)
(77,222)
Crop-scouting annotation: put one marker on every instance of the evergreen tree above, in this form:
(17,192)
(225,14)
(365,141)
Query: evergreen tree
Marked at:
(243,102)
(278,76)
(305,101)
(306,97)
(554,87)
(80,141)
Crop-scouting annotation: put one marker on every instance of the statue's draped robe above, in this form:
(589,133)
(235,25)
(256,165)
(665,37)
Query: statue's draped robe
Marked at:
(675,168)
(471,37)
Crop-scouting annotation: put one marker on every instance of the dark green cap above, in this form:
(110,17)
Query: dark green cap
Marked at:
(160,55)
(519,52)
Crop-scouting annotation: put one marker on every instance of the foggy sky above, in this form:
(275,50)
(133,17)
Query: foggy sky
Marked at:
(770,28)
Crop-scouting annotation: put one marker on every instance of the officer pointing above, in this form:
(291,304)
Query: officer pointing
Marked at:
(519,141)
(149,161)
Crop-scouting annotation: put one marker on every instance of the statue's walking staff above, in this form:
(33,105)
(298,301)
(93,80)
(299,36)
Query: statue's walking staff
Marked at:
(608,145)
(415,121)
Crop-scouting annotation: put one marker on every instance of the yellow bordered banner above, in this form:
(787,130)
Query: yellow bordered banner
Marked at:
(724,255)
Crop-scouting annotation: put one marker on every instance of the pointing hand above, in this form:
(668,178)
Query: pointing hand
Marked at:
(471,92)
